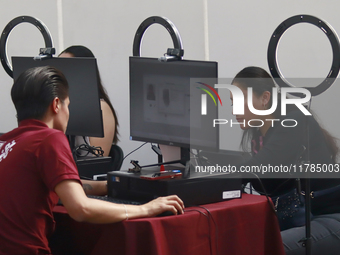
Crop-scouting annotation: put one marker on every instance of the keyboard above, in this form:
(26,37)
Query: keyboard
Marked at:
(117,200)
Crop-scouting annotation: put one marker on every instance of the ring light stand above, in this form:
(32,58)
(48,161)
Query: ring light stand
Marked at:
(44,52)
(172,55)
(323,86)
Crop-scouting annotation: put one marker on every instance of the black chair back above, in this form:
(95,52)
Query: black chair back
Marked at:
(117,156)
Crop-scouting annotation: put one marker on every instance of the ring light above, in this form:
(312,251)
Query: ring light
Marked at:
(170,27)
(6,32)
(275,39)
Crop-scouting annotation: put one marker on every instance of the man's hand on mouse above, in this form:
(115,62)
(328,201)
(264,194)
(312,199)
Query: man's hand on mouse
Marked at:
(162,204)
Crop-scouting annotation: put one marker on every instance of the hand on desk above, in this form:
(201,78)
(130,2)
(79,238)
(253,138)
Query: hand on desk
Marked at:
(163,204)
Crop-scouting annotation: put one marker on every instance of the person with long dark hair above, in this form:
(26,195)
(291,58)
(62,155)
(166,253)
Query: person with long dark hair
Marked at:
(110,119)
(274,144)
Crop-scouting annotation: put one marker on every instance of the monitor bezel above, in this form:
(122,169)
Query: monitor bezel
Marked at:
(162,141)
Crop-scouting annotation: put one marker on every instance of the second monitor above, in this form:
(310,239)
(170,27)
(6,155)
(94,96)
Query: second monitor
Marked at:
(165,103)
(85,111)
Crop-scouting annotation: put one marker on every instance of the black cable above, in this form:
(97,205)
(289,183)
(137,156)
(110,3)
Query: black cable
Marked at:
(85,178)
(94,150)
(216,229)
(192,210)
(264,192)
(210,245)
(134,150)
(199,158)
(261,193)
(97,151)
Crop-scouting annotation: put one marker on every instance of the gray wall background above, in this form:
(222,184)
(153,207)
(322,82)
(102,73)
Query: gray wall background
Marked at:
(233,33)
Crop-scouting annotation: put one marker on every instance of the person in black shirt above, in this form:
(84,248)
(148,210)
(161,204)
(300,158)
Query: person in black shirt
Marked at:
(273,144)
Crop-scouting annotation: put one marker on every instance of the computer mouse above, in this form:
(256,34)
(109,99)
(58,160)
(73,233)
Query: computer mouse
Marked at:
(166,213)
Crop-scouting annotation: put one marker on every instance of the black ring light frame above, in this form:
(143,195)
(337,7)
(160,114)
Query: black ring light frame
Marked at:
(6,32)
(328,81)
(170,27)
(274,41)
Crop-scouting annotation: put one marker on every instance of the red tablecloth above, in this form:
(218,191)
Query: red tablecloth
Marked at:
(242,226)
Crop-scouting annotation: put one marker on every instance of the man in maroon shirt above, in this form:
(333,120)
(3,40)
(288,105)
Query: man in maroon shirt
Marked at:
(37,168)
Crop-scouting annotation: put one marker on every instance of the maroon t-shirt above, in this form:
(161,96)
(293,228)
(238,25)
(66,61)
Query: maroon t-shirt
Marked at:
(33,160)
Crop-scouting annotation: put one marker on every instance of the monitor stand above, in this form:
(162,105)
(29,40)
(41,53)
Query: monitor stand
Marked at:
(182,155)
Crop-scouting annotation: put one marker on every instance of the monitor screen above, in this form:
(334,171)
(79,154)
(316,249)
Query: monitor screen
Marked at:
(81,74)
(165,105)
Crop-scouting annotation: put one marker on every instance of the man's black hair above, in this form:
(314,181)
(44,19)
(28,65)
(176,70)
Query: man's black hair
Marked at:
(35,89)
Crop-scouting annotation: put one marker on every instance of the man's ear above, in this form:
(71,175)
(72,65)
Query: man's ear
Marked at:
(56,105)
(266,97)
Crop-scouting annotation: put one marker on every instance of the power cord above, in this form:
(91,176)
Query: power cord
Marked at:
(134,150)
(265,192)
(207,216)
(216,229)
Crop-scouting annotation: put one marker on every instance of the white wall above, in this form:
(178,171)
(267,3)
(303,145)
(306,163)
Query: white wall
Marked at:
(237,35)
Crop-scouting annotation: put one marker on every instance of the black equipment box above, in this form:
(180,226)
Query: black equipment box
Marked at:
(89,167)
(195,190)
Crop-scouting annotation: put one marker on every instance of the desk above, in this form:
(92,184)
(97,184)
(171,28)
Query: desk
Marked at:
(244,226)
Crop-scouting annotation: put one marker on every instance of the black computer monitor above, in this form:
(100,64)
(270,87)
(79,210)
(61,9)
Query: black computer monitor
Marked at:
(165,104)
(81,74)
